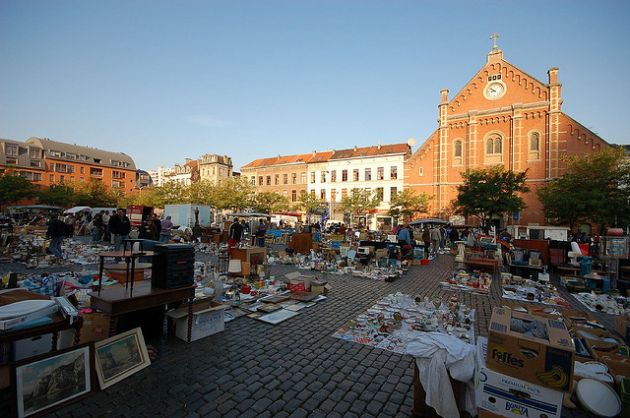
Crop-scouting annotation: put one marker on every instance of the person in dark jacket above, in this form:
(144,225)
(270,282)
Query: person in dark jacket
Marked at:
(235,234)
(120,227)
(56,232)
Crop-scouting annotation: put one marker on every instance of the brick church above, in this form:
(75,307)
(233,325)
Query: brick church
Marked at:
(502,116)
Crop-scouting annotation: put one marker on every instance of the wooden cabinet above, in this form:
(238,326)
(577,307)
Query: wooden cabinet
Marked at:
(255,256)
(302,243)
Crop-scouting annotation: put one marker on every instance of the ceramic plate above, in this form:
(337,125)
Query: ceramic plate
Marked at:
(598,398)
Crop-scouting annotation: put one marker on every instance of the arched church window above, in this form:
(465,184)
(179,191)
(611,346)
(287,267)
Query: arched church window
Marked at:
(458,149)
(534,142)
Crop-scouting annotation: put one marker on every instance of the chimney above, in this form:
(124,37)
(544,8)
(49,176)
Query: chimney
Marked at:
(355,148)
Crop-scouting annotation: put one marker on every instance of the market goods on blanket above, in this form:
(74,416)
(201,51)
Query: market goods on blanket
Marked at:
(477,281)
(536,349)
(394,319)
(517,288)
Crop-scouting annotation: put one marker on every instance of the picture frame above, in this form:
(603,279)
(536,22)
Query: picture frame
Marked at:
(44,383)
(120,356)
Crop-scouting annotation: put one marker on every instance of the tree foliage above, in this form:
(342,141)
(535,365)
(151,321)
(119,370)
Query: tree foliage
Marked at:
(14,188)
(58,195)
(268,202)
(407,203)
(491,192)
(595,187)
(360,202)
(311,204)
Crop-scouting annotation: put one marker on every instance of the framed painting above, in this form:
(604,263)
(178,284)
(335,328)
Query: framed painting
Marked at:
(120,356)
(47,382)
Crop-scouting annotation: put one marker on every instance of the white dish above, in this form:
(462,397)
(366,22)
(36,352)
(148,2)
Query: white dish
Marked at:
(596,367)
(598,398)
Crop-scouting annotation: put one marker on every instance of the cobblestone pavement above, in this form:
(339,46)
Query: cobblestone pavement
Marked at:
(295,368)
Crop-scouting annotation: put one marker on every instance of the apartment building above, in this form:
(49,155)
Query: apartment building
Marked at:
(46,162)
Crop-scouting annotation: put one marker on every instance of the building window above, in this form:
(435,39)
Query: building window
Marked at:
(276,179)
(421,171)
(368,174)
(260,180)
(323,177)
(285,179)
(253,180)
(355,174)
(379,193)
(494,145)
(312,177)
(333,176)
(11,150)
(344,175)
(62,168)
(393,191)
(96,172)
(35,153)
(293,178)
(344,193)
(313,193)
(51,178)
(303,178)
(118,174)
(457,152)
(322,194)
(534,146)
(81,170)
(393,172)
(380,173)
(293,195)
(268,180)
(11,160)
(333,195)
(458,149)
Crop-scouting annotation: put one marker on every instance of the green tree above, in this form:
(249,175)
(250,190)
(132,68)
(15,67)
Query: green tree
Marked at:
(268,202)
(202,192)
(595,187)
(311,204)
(407,203)
(234,193)
(360,202)
(491,192)
(58,195)
(14,188)
(96,194)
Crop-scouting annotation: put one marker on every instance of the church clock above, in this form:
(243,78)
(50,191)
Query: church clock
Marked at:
(494,90)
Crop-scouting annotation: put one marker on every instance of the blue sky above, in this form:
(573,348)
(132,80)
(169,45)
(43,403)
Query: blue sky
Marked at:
(165,80)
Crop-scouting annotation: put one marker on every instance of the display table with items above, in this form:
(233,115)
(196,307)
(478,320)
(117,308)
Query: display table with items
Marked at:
(484,258)
(475,281)
(525,290)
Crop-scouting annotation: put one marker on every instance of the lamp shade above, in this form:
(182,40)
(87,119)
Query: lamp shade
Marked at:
(234,266)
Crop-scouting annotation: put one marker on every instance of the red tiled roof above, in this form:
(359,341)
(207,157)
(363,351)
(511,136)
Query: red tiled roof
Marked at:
(320,157)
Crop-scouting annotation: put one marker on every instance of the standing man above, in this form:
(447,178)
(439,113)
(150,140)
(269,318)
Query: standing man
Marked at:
(435,240)
(56,232)
(106,235)
(165,231)
(235,234)
(261,231)
(120,227)
(97,227)
(157,227)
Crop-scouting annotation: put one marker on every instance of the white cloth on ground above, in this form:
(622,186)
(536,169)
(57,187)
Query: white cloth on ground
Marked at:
(437,354)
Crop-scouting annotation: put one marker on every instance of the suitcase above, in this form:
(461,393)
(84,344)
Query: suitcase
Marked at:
(173,266)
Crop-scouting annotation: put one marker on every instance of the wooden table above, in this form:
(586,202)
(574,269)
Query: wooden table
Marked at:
(118,300)
(130,262)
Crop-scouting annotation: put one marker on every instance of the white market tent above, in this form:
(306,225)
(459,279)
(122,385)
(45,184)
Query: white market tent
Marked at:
(78,209)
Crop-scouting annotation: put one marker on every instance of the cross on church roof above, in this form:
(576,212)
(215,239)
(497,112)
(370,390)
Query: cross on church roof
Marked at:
(494,38)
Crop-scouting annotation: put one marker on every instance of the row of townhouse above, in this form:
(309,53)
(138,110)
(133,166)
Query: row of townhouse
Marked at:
(332,175)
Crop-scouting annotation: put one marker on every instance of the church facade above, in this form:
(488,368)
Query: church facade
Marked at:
(502,116)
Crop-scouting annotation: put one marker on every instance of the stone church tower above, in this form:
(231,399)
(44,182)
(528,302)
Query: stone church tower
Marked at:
(502,116)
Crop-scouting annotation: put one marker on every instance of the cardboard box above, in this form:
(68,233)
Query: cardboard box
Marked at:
(547,362)
(499,394)
(30,347)
(320,287)
(295,278)
(95,327)
(205,322)
(622,326)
